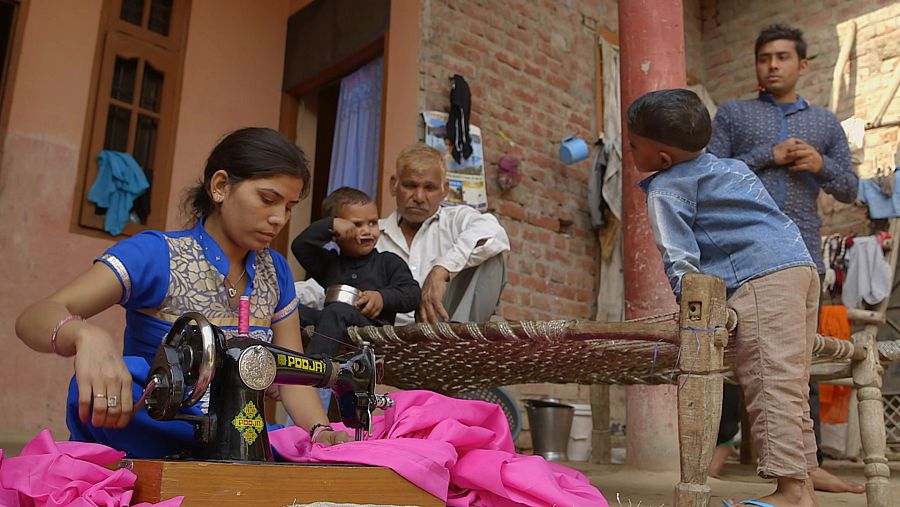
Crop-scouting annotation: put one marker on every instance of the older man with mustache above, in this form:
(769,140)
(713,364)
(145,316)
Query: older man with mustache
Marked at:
(454,252)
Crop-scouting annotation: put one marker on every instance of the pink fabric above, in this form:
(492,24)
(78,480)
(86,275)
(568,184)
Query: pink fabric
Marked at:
(49,473)
(460,451)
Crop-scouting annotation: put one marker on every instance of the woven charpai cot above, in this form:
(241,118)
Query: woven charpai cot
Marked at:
(453,357)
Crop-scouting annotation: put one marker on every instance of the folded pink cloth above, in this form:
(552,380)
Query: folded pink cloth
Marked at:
(460,451)
(49,473)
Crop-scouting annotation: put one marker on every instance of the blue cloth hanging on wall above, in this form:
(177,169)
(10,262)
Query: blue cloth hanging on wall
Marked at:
(357,132)
(880,205)
(120,180)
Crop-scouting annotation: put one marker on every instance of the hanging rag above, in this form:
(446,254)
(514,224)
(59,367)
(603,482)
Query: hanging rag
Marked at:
(612,129)
(834,401)
(120,180)
(881,204)
(868,274)
(834,255)
(458,122)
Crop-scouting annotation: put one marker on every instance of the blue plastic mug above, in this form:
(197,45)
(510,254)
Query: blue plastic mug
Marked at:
(573,149)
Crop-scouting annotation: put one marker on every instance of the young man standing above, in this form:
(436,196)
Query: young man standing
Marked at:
(797,150)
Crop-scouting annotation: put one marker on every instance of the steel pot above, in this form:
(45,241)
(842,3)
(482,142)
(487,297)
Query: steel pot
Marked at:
(343,294)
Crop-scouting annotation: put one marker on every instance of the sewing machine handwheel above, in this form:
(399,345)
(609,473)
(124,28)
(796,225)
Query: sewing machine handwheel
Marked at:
(203,359)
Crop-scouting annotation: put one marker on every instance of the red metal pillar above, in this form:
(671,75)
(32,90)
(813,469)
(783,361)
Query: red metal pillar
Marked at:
(651,37)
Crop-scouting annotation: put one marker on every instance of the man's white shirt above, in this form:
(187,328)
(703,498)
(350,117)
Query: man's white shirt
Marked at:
(449,238)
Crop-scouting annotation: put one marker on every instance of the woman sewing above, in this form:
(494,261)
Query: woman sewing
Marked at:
(252,179)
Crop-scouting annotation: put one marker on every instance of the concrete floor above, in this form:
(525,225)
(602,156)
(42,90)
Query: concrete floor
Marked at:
(625,486)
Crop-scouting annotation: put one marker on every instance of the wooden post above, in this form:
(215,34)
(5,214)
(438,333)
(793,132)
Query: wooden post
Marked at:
(853,444)
(600,438)
(651,57)
(867,380)
(703,339)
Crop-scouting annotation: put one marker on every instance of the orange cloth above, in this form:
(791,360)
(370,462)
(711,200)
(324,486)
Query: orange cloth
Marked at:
(834,401)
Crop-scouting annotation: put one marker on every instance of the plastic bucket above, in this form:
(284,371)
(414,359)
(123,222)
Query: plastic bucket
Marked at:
(551,423)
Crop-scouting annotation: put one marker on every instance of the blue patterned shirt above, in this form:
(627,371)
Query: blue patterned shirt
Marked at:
(748,130)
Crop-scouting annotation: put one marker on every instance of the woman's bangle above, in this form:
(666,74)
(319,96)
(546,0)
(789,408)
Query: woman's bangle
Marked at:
(317,429)
(63,322)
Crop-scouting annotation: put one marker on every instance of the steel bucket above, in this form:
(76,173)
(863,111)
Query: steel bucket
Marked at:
(550,423)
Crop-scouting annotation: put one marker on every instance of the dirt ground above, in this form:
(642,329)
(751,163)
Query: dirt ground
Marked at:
(625,486)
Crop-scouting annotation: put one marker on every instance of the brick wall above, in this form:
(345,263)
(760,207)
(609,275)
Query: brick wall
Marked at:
(693,41)
(530,67)
(873,64)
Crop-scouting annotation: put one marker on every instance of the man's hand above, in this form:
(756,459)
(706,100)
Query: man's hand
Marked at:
(370,303)
(344,229)
(431,309)
(806,158)
(782,152)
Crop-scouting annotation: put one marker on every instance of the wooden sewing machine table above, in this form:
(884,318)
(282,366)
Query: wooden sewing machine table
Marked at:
(226,484)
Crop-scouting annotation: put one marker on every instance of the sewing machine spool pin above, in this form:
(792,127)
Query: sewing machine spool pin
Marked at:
(194,359)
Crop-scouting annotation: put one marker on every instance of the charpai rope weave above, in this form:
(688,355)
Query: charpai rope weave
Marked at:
(472,363)
(454,357)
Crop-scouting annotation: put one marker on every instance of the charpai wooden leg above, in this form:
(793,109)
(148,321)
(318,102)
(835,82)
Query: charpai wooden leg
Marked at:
(701,361)
(601,447)
(867,377)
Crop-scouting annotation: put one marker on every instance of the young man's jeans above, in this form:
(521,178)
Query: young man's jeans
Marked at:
(772,362)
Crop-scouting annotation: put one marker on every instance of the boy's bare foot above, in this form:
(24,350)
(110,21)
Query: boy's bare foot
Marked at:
(823,480)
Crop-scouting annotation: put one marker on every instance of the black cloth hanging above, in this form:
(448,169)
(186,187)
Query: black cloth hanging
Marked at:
(458,123)
(596,203)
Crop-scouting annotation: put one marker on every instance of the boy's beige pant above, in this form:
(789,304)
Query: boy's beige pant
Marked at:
(777,317)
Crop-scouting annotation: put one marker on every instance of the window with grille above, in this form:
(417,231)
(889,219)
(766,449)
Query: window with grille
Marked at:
(892,421)
(135,107)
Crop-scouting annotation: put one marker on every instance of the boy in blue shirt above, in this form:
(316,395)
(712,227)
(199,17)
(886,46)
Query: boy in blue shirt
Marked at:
(714,216)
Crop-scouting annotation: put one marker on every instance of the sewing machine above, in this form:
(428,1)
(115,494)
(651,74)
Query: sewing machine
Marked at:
(196,357)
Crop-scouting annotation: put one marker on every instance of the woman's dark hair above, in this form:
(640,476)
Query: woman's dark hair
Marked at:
(781,32)
(247,154)
(675,117)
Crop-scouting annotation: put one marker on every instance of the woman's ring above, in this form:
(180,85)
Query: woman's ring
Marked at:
(112,401)
(99,395)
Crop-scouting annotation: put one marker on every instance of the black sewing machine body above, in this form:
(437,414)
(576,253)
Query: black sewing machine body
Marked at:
(195,358)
